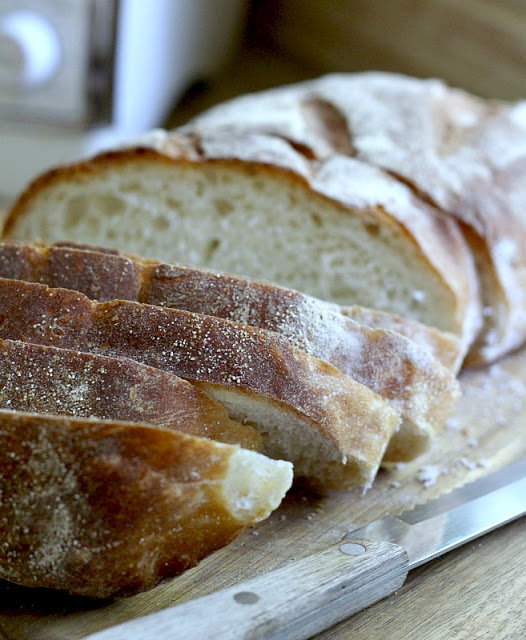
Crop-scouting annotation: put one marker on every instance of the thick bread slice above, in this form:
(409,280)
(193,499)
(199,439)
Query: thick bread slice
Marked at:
(464,154)
(101,508)
(252,204)
(43,379)
(332,428)
(393,366)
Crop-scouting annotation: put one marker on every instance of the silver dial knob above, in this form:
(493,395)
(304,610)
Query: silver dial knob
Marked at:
(29,50)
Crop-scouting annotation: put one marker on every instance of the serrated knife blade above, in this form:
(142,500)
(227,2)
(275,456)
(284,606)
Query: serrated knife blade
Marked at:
(312,594)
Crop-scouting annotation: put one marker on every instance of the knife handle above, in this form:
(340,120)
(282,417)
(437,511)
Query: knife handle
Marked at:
(293,602)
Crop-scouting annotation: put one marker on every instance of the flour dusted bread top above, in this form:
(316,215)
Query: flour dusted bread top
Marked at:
(103,508)
(47,379)
(395,367)
(334,429)
(253,204)
(445,347)
(464,154)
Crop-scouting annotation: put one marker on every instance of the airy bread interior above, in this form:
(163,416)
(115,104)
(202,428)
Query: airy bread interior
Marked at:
(254,485)
(318,460)
(465,154)
(248,220)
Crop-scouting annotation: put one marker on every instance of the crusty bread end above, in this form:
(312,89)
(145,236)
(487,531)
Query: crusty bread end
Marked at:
(104,509)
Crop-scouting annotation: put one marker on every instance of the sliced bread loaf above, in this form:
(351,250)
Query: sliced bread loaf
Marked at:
(465,155)
(334,429)
(102,508)
(44,379)
(405,374)
(252,204)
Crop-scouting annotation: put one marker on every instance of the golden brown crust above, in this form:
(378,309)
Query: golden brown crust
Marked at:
(394,367)
(200,348)
(101,275)
(51,380)
(104,509)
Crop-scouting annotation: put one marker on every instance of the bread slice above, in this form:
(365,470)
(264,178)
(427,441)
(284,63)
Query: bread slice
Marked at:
(45,379)
(103,508)
(390,364)
(465,155)
(253,205)
(332,428)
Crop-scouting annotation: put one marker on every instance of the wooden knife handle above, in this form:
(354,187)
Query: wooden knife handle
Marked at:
(291,603)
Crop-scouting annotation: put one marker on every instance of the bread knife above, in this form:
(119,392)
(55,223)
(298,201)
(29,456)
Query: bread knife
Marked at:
(310,595)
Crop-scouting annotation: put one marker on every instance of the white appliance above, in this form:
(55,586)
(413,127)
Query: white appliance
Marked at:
(77,76)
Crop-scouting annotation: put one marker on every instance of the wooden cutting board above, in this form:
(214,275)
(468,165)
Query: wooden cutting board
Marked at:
(487,431)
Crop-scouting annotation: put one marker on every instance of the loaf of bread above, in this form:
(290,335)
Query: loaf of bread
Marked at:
(252,204)
(465,155)
(392,204)
(405,374)
(334,429)
(45,379)
(103,508)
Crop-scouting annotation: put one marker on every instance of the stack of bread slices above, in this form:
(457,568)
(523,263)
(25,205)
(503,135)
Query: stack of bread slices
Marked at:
(292,280)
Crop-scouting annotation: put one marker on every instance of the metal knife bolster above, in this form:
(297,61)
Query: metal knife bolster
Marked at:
(451,520)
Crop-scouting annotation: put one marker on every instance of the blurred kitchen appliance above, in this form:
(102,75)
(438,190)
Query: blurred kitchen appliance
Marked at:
(80,75)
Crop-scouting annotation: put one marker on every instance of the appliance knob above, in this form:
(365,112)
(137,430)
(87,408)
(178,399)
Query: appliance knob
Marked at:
(30,50)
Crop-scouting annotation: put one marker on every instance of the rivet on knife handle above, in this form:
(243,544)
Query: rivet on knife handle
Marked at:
(291,603)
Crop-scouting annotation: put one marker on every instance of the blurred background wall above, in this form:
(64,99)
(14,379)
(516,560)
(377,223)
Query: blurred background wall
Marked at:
(80,75)
(479,45)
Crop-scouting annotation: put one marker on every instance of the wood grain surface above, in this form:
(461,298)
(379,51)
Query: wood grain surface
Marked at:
(475,592)
(475,44)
